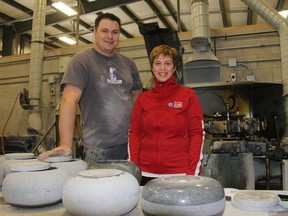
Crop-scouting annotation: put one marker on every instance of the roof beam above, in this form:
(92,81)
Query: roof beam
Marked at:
(65,30)
(249,17)
(6,17)
(88,7)
(54,39)
(158,14)
(279,5)
(28,11)
(172,13)
(19,7)
(223,13)
(130,14)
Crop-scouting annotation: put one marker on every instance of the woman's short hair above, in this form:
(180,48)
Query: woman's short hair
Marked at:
(164,50)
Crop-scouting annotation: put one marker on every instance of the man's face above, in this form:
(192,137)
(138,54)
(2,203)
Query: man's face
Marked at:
(106,37)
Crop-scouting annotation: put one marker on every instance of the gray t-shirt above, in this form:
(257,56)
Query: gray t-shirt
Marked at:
(106,102)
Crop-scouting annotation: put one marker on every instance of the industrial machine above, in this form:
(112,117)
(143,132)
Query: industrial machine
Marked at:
(242,133)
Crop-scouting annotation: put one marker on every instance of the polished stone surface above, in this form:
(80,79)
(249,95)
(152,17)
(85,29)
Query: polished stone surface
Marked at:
(183,195)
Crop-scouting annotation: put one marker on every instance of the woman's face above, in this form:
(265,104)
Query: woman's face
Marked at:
(163,68)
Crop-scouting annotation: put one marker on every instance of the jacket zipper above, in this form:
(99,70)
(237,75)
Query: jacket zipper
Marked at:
(158,133)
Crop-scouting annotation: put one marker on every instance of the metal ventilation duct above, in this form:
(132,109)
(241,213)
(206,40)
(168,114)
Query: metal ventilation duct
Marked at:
(203,65)
(36,66)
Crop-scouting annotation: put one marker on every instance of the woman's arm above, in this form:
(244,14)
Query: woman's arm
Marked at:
(134,133)
(196,135)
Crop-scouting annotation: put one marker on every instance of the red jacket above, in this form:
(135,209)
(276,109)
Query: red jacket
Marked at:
(166,133)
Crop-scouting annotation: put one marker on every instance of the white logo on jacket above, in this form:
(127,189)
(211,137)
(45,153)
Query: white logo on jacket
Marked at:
(175,104)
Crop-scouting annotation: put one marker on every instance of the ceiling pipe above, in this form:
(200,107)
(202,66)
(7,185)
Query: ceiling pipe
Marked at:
(36,66)
(178,16)
(200,41)
(202,65)
(200,18)
(78,21)
(270,15)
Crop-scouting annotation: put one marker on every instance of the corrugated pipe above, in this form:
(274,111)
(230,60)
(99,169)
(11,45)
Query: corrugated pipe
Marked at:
(200,41)
(269,14)
(36,66)
(200,18)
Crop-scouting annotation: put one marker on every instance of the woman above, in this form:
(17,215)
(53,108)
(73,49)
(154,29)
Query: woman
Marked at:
(167,131)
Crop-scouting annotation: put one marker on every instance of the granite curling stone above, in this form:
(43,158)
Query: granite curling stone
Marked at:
(33,184)
(182,196)
(105,192)
(67,163)
(12,158)
(258,201)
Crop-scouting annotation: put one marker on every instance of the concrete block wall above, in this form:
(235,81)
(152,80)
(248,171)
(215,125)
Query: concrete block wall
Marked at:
(14,72)
(254,47)
(262,56)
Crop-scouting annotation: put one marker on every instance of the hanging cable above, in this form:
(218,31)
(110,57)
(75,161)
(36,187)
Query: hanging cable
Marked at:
(3,129)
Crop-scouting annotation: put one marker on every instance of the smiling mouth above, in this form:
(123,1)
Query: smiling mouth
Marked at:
(109,42)
(162,74)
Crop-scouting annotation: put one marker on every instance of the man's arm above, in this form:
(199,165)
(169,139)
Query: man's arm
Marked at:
(69,102)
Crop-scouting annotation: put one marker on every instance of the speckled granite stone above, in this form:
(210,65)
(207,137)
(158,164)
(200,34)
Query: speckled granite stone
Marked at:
(183,195)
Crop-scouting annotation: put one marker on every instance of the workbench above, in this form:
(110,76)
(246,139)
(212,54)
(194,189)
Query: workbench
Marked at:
(56,210)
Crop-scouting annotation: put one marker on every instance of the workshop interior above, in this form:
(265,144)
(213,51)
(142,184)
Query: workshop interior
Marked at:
(238,71)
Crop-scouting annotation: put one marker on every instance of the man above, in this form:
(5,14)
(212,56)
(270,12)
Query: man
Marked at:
(105,84)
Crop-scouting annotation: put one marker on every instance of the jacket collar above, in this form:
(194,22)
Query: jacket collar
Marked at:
(168,86)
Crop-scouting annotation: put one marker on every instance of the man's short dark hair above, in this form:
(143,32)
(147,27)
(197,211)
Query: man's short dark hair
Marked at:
(109,16)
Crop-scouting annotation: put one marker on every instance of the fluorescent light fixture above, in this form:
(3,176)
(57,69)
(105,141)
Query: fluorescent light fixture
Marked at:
(64,8)
(67,40)
(284,13)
